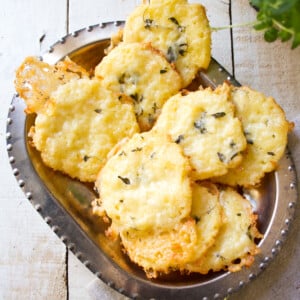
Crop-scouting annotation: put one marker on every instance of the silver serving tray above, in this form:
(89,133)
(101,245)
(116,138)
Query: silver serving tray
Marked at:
(65,203)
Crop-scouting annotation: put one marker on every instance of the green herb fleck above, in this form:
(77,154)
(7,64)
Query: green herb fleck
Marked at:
(86,158)
(200,123)
(182,48)
(221,156)
(175,50)
(124,179)
(122,78)
(234,155)
(248,138)
(148,23)
(197,219)
(154,107)
(137,149)
(98,110)
(122,153)
(218,115)
(163,71)
(249,233)
(179,139)
(232,144)
(181,52)
(220,256)
(271,153)
(135,97)
(152,155)
(151,119)
(171,54)
(174,20)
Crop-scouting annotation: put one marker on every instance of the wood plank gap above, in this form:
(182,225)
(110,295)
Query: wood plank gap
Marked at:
(68,17)
(67,272)
(231,38)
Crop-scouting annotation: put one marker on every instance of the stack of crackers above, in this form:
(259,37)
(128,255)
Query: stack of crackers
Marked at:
(168,163)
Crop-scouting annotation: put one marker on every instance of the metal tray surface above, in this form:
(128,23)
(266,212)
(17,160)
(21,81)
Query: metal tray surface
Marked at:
(64,203)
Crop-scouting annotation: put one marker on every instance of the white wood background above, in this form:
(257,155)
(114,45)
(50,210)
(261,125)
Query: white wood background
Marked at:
(34,263)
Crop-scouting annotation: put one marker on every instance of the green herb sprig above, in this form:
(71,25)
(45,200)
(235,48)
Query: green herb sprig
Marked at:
(280,19)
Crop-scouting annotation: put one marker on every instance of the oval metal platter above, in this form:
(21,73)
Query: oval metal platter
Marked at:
(65,203)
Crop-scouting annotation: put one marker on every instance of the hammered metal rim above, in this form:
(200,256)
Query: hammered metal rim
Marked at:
(85,250)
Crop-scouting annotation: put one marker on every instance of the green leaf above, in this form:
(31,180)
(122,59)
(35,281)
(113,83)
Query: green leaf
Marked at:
(296,41)
(281,6)
(261,16)
(280,19)
(262,25)
(284,35)
(271,35)
(255,2)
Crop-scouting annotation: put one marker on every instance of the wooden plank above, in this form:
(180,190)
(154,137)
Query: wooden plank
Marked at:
(275,70)
(83,284)
(218,15)
(79,278)
(95,12)
(32,258)
(272,68)
(269,67)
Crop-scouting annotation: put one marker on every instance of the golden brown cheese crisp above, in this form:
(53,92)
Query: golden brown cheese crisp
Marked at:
(79,126)
(203,123)
(179,30)
(140,72)
(146,184)
(161,252)
(36,80)
(266,130)
(235,245)
(207,213)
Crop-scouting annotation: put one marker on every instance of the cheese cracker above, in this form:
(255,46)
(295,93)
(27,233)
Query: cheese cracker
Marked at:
(179,30)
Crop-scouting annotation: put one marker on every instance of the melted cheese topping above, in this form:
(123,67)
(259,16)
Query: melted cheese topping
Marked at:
(265,128)
(142,74)
(207,212)
(204,125)
(179,30)
(146,184)
(81,124)
(234,246)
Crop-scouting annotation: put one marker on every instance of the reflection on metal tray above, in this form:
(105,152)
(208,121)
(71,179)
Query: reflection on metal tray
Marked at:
(64,203)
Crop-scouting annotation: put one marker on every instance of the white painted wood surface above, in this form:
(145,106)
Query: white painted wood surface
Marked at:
(34,264)
(32,258)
